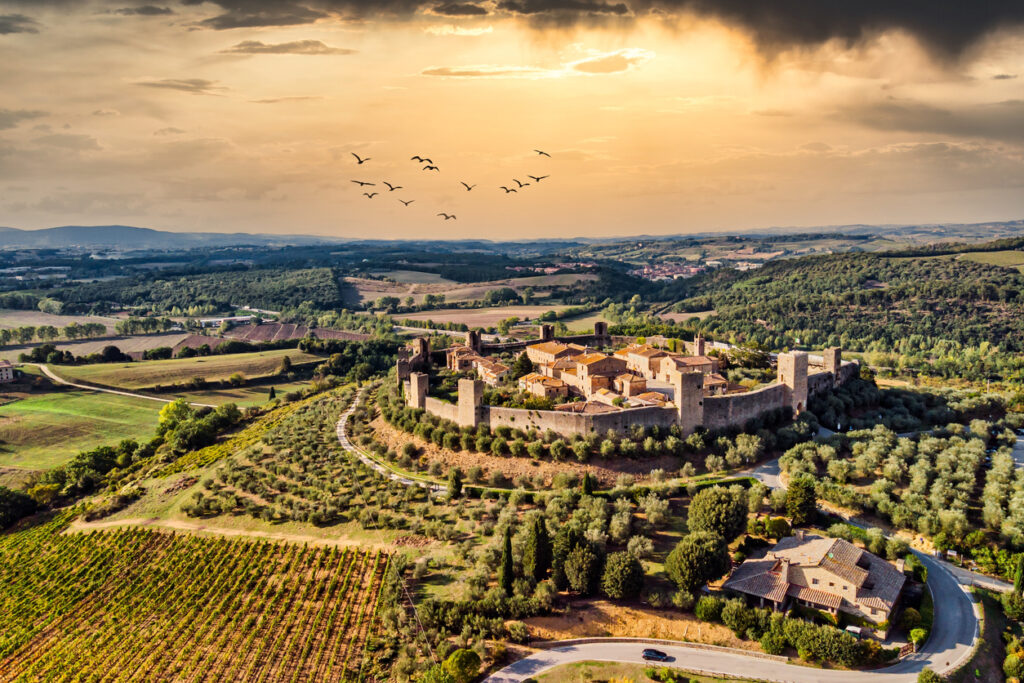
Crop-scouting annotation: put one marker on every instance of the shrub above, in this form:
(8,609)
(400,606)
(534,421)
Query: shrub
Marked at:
(709,609)
(623,576)
(698,558)
(773,643)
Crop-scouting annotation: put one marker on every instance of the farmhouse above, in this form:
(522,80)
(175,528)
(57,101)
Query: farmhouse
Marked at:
(6,372)
(827,574)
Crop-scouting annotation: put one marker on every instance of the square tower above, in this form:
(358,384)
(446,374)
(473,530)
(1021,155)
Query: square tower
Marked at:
(418,384)
(471,397)
(793,375)
(833,362)
(689,399)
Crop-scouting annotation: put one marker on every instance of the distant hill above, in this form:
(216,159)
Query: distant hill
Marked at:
(127,237)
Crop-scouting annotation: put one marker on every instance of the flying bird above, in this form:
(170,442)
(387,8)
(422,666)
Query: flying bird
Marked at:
(537,179)
(361,161)
(361,183)
(468,187)
(371,195)
(543,154)
(506,189)
(392,188)
(519,183)
(431,168)
(447,217)
(420,159)
(407,203)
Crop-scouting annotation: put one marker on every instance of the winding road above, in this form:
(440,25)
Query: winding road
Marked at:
(88,387)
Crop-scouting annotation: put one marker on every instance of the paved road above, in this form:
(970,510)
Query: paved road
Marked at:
(768,473)
(955,629)
(60,380)
(1018,451)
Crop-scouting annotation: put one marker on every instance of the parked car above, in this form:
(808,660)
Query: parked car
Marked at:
(652,655)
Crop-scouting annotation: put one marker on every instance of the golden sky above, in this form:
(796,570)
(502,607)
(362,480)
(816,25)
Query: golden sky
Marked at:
(659,117)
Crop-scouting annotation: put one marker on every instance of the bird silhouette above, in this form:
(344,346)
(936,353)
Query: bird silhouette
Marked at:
(537,179)
(543,154)
(519,183)
(371,195)
(407,203)
(468,187)
(431,168)
(392,188)
(420,159)
(447,217)
(361,161)
(361,183)
(507,190)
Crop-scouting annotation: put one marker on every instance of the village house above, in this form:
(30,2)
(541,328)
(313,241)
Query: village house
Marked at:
(543,386)
(463,359)
(6,372)
(827,574)
(549,352)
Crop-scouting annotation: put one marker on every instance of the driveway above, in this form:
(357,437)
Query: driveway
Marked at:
(951,643)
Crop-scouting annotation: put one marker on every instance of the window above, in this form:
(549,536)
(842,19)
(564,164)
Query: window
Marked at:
(831,584)
(814,582)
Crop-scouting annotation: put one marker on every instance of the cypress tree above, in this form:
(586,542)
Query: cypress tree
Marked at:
(537,554)
(272,395)
(507,576)
(588,484)
(1018,580)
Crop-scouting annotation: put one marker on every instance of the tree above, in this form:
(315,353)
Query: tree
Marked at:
(272,395)
(454,480)
(1018,579)
(583,569)
(700,557)
(929,676)
(537,550)
(508,576)
(717,510)
(588,484)
(172,414)
(522,366)
(801,500)
(623,576)
(437,674)
(286,366)
(462,665)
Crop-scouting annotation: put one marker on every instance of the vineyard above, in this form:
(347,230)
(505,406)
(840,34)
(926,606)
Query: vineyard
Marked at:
(117,606)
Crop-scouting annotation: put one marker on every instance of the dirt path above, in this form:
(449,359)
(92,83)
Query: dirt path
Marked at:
(60,380)
(78,526)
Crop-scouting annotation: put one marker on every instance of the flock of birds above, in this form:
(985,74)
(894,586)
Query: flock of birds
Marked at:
(428,165)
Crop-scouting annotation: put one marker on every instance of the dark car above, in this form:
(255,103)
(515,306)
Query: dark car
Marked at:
(655,655)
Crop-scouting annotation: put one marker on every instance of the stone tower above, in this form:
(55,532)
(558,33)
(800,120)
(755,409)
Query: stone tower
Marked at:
(833,362)
(601,332)
(689,399)
(473,340)
(402,365)
(547,333)
(418,384)
(471,397)
(698,346)
(793,374)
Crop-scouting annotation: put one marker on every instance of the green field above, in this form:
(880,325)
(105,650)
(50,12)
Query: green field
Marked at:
(585,323)
(243,397)
(144,374)
(40,432)
(1008,259)
(414,277)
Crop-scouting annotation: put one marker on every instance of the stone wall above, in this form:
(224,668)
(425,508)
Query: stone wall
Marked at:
(721,412)
(575,423)
(436,406)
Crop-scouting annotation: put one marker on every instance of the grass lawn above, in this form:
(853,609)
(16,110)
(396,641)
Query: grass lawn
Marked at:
(143,374)
(1010,259)
(40,432)
(242,396)
(585,323)
(593,672)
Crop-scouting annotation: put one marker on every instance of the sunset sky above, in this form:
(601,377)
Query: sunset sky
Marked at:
(669,116)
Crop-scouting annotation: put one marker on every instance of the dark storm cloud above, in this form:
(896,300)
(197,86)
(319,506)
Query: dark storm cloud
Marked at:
(295,47)
(17,23)
(459,9)
(256,13)
(144,11)
(9,118)
(1003,121)
(563,7)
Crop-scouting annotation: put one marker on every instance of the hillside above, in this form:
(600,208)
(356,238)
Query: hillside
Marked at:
(126,237)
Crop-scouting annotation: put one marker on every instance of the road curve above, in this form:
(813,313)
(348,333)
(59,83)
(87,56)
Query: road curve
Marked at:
(951,643)
(60,380)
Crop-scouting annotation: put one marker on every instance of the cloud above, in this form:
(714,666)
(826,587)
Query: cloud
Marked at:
(144,11)
(295,47)
(459,9)
(490,71)
(451,30)
(1004,77)
(560,6)
(290,98)
(613,62)
(9,118)
(72,141)
(106,112)
(17,23)
(170,130)
(994,121)
(257,13)
(196,86)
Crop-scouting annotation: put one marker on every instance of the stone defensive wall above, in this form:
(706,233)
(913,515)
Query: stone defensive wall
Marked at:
(443,409)
(736,410)
(576,423)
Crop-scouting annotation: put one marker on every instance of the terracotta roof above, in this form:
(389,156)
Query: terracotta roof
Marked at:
(629,377)
(591,358)
(5,364)
(816,596)
(551,347)
(759,577)
(585,407)
(715,380)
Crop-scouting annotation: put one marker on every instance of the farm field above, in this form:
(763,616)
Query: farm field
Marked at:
(1009,259)
(482,317)
(133,344)
(585,323)
(46,430)
(414,277)
(151,373)
(14,318)
(243,397)
(167,606)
